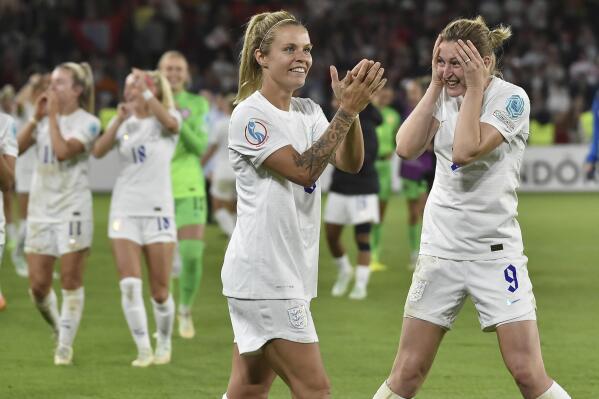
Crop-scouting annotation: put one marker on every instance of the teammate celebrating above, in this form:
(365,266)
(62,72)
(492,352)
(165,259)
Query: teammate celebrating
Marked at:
(279,146)
(471,241)
(188,185)
(59,216)
(8,154)
(141,209)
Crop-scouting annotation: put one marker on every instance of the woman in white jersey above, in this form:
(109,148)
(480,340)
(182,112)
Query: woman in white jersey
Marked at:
(26,97)
(8,155)
(59,215)
(471,242)
(141,210)
(279,146)
(222,189)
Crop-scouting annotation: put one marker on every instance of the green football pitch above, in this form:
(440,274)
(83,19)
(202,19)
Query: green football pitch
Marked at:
(358,339)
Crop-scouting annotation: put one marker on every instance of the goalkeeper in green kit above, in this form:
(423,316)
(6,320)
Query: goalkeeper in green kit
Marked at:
(386,136)
(188,185)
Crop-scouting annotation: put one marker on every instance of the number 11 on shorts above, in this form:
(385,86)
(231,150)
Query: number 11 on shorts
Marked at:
(510,276)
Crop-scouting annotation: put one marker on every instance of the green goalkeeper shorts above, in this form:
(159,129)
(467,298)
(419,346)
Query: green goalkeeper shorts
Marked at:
(190,211)
(383,169)
(413,189)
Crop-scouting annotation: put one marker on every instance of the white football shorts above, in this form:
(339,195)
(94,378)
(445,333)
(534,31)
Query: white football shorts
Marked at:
(351,209)
(57,239)
(143,230)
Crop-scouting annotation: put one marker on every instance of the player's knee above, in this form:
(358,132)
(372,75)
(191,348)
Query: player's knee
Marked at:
(524,374)
(316,388)
(407,377)
(70,282)
(39,291)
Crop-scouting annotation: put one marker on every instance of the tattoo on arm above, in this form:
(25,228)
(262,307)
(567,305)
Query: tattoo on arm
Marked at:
(316,158)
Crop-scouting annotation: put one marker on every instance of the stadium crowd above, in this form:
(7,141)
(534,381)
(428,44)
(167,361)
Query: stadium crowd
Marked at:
(554,54)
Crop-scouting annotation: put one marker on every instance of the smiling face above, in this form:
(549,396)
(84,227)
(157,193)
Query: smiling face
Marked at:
(63,85)
(449,69)
(288,61)
(176,71)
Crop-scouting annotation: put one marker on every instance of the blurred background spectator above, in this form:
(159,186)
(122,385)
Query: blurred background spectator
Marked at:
(554,54)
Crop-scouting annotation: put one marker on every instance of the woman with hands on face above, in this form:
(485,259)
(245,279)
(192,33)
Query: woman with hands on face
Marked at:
(59,214)
(279,145)
(141,210)
(471,242)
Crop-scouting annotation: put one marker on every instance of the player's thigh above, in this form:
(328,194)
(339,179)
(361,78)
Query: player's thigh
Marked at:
(299,365)
(41,268)
(251,376)
(159,258)
(127,256)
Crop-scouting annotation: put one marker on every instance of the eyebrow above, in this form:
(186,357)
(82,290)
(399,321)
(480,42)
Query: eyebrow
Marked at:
(296,45)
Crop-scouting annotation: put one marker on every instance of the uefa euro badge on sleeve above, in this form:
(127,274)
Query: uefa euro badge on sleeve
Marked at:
(298,317)
(255,132)
(514,106)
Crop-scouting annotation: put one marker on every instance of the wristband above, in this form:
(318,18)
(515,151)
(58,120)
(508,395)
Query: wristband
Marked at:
(147,94)
(33,121)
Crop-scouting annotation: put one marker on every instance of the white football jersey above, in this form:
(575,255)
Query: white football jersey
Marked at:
(471,211)
(143,187)
(220,137)
(8,146)
(60,189)
(273,252)
(26,161)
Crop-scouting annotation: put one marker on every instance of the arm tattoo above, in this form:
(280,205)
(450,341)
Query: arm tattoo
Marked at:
(316,158)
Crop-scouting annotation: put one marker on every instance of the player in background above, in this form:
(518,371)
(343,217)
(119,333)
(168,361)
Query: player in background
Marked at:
(8,154)
(141,208)
(222,189)
(471,241)
(593,157)
(353,201)
(413,173)
(188,186)
(8,106)
(386,138)
(36,85)
(59,215)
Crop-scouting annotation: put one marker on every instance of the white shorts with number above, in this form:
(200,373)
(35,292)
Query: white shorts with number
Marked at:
(223,189)
(500,290)
(257,321)
(57,239)
(143,230)
(351,209)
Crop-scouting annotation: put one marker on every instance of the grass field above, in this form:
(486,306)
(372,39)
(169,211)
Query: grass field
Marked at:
(358,339)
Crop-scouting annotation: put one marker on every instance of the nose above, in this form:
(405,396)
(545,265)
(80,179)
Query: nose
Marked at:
(447,71)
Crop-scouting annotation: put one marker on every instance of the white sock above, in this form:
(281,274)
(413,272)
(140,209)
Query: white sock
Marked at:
(11,231)
(343,263)
(22,229)
(225,220)
(555,391)
(164,314)
(135,311)
(362,275)
(48,307)
(225,396)
(385,392)
(70,315)
(184,309)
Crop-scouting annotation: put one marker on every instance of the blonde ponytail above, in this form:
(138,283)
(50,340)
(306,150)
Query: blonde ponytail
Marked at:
(259,34)
(499,35)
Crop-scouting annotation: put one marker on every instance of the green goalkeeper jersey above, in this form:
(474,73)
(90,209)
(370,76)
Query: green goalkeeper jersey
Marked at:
(387,130)
(186,171)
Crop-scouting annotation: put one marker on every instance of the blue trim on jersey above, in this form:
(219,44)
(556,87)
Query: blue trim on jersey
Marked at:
(594,151)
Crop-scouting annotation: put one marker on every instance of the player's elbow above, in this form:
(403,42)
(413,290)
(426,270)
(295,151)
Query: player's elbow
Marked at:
(462,159)
(406,153)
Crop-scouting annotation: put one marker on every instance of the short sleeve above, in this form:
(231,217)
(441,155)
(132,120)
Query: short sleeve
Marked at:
(321,123)
(508,111)
(87,131)
(254,134)
(9,139)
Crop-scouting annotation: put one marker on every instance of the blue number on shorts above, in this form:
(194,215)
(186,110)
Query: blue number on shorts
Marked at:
(511,277)
(74,228)
(48,154)
(139,154)
(163,223)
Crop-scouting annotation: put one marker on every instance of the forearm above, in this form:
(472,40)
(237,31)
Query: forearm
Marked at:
(350,154)
(194,140)
(467,137)
(163,116)
(413,135)
(25,136)
(59,144)
(105,142)
(314,160)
